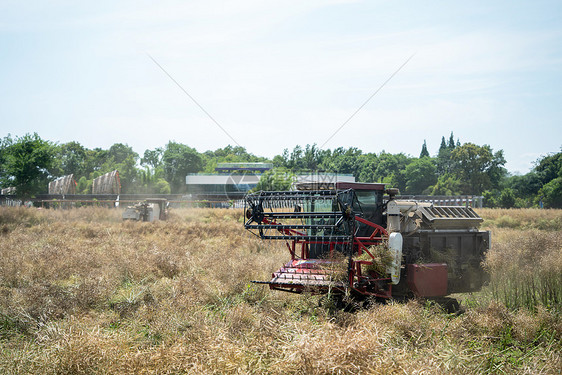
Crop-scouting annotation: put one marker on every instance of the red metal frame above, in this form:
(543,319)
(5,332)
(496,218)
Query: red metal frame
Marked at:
(369,284)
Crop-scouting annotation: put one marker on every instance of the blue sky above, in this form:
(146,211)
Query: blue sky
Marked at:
(276,74)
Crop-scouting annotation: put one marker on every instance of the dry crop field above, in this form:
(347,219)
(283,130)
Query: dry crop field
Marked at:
(82,292)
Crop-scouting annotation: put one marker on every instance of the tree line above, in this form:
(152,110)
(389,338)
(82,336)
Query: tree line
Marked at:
(29,163)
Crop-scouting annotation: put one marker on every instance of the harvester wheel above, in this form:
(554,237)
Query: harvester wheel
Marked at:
(448,304)
(338,301)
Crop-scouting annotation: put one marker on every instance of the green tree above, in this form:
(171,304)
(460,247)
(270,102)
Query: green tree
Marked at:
(96,160)
(119,157)
(28,163)
(152,158)
(279,160)
(420,175)
(4,144)
(294,161)
(491,198)
(233,154)
(228,154)
(444,164)
(72,159)
(390,169)
(368,168)
(84,186)
(119,153)
(128,174)
(150,180)
(549,167)
(178,160)
(525,186)
(277,179)
(551,193)
(312,158)
(446,185)
(424,152)
(451,145)
(343,161)
(477,167)
(443,144)
(507,198)
(162,187)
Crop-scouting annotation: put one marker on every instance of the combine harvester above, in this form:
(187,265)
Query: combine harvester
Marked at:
(150,210)
(349,239)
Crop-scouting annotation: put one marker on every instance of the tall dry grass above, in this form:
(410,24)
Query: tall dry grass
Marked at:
(526,268)
(525,261)
(82,292)
(522,218)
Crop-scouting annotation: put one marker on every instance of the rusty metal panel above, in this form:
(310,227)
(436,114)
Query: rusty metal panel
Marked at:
(108,183)
(428,280)
(63,185)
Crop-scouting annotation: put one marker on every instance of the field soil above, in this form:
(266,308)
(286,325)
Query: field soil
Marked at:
(82,292)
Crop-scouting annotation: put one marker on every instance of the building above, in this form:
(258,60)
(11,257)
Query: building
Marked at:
(249,167)
(233,180)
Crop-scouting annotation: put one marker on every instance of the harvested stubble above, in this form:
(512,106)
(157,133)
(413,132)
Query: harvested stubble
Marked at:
(83,293)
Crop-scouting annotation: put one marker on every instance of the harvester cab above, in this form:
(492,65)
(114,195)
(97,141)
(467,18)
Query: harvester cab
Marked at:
(351,238)
(150,210)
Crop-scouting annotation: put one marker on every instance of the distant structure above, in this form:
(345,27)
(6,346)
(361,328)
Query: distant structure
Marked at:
(236,179)
(108,183)
(63,185)
(320,180)
(248,167)
(231,178)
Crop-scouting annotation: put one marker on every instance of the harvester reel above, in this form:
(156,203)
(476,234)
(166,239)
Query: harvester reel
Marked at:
(317,225)
(255,213)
